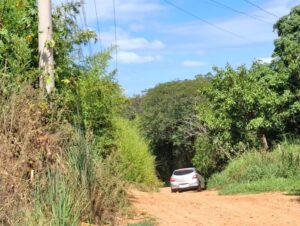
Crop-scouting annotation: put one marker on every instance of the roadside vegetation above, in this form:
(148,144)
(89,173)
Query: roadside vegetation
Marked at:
(143,223)
(69,156)
(231,124)
(256,171)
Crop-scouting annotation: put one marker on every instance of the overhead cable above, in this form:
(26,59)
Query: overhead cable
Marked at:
(238,11)
(98,24)
(86,26)
(115,30)
(203,20)
(262,9)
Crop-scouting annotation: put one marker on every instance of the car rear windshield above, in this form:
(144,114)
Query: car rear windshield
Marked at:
(183,172)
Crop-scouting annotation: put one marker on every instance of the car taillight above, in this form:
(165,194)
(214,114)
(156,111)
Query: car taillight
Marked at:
(195,177)
(172,179)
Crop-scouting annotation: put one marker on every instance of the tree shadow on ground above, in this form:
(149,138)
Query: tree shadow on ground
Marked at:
(295,193)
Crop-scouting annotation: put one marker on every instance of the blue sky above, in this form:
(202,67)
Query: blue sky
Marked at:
(159,43)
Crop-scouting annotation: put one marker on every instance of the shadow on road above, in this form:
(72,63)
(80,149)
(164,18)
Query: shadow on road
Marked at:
(295,193)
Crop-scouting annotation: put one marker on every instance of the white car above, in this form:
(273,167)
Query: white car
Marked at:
(186,179)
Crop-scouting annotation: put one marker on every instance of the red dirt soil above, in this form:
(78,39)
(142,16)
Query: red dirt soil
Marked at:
(208,208)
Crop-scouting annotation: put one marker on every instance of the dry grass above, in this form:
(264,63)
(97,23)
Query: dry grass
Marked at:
(30,145)
(49,173)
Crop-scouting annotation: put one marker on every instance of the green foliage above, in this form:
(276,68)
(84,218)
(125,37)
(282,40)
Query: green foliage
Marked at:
(261,171)
(18,36)
(205,157)
(81,184)
(19,41)
(132,156)
(104,188)
(94,99)
(143,223)
(253,108)
(18,23)
(286,54)
(246,109)
(88,191)
(56,204)
(168,120)
(272,184)
(133,109)
(69,60)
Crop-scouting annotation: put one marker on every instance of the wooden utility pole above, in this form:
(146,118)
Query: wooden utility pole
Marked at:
(46,44)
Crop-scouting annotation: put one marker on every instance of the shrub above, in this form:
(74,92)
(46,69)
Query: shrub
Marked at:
(133,157)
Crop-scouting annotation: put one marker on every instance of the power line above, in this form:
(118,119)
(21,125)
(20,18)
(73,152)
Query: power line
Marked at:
(98,24)
(262,9)
(238,11)
(115,25)
(77,28)
(80,52)
(203,20)
(86,26)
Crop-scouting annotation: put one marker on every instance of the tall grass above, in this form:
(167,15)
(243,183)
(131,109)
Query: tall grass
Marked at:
(86,192)
(52,175)
(104,194)
(256,171)
(57,203)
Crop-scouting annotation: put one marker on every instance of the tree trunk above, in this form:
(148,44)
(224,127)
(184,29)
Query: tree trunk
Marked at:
(264,141)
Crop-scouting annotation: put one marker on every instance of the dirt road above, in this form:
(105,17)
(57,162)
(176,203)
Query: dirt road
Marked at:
(208,208)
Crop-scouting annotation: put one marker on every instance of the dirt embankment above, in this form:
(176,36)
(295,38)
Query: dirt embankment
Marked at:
(208,208)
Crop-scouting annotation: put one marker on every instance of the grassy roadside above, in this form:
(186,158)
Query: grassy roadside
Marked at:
(149,222)
(256,172)
(52,173)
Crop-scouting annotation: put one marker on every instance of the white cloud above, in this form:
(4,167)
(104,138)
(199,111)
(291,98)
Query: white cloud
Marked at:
(125,10)
(192,63)
(126,42)
(252,31)
(127,57)
(136,27)
(266,60)
(277,7)
(139,43)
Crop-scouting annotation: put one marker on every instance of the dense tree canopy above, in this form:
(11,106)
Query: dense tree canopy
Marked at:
(253,108)
(167,116)
(287,61)
(245,110)
(210,121)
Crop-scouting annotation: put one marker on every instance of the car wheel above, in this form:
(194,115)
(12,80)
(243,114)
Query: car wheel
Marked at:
(199,188)
(173,190)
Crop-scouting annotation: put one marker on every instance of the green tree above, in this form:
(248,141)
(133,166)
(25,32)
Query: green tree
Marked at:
(19,42)
(245,110)
(287,61)
(168,120)
(94,99)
